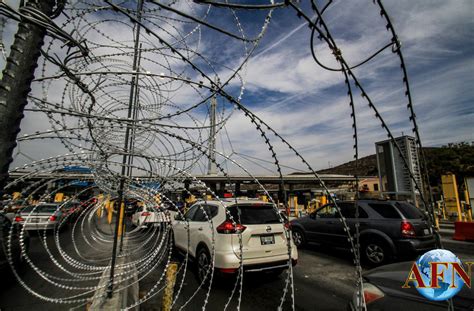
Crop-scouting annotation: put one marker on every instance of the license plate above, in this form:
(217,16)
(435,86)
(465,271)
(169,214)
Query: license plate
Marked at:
(35,220)
(426,231)
(267,239)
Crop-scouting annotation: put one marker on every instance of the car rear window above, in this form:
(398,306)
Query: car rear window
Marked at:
(253,214)
(40,209)
(385,210)
(409,210)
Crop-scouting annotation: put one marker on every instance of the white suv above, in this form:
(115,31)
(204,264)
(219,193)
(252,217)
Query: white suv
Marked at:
(264,237)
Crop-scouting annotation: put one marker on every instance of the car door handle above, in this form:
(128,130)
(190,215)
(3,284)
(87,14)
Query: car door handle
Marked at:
(200,228)
(330,222)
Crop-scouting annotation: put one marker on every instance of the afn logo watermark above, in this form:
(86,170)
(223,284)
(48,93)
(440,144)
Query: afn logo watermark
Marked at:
(439,275)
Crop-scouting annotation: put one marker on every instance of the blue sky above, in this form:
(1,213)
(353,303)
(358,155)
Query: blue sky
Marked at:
(307,104)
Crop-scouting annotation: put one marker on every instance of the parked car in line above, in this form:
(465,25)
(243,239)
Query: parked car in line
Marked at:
(131,206)
(5,226)
(44,216)
(172,208)
(72,209)
(13,206)
(263,236)
(383,291)
(147,216)
(388,229)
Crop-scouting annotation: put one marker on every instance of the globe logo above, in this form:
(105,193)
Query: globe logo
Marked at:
(438,275)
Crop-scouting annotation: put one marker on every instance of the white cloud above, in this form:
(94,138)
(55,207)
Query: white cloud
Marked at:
(308,105)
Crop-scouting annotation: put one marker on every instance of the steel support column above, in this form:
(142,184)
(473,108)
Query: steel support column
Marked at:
(16,83)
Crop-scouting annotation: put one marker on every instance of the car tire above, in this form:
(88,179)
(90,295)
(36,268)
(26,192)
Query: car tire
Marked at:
(299,238)
(376,252)
(203,262)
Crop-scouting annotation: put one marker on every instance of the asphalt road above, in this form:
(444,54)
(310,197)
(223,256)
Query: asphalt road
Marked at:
(323,280)
(313,290)
(13,296)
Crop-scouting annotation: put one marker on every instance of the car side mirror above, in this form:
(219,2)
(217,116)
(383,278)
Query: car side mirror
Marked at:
(178,217)
(312,216)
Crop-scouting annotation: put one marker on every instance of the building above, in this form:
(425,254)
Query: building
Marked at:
(371,184)
(394,171)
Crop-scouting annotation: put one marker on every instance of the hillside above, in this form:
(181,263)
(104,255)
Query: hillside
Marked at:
(367,166)
(455,158)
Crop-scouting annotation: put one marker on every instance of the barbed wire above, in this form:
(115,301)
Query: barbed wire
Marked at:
(120,81)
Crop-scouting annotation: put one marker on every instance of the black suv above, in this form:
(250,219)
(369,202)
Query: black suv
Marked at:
(388,229)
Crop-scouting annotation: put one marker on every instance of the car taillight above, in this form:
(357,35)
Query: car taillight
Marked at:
(52,218)
(371,293)
(407,229)
(287,225)
(145,214)
(227,227)
(19,219)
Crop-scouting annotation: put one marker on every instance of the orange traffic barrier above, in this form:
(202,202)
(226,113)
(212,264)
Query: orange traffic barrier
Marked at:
(463,231)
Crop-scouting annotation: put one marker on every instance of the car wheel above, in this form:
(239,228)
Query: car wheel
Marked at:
(203,260)
(376,252)
(298,238)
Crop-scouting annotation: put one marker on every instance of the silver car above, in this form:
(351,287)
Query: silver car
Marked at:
(45,216)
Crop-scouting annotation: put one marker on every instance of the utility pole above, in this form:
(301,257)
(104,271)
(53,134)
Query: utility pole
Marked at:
(16,82)
(212,169)
(128,145)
